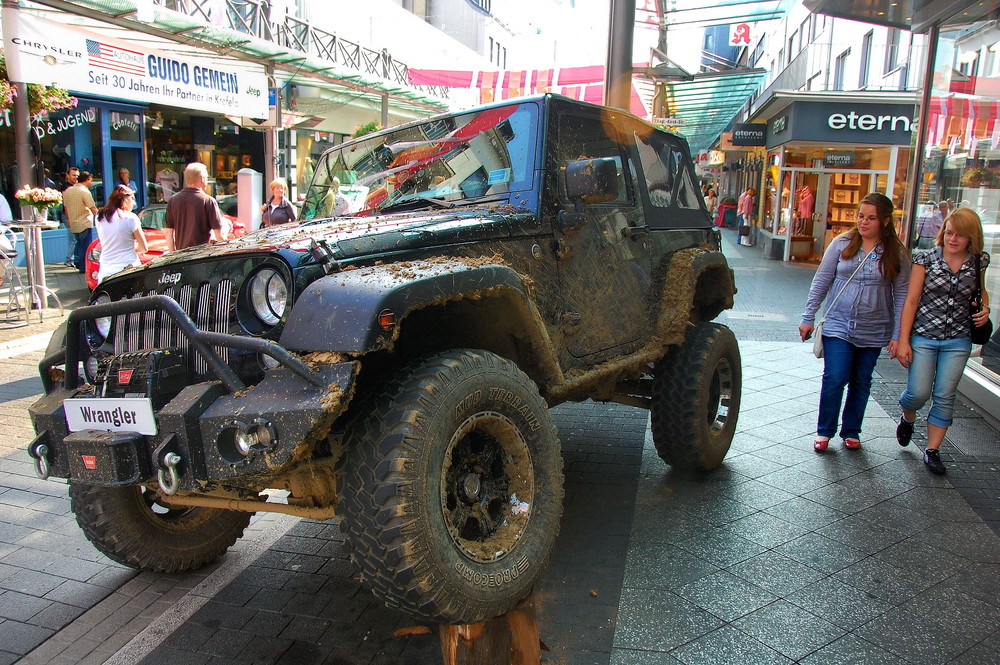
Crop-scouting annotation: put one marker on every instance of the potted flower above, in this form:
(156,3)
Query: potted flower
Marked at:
(40,198)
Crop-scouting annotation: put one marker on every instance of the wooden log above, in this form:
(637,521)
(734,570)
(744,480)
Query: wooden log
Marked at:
(510,639)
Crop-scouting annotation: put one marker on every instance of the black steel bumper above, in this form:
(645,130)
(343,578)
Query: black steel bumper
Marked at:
(202,425)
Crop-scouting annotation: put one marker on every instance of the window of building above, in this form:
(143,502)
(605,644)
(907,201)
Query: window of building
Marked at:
(866,59)
(891,50)
(839,67)
(804,37)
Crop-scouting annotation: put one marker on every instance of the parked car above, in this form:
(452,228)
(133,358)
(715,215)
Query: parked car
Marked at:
(152,218)
(396,367)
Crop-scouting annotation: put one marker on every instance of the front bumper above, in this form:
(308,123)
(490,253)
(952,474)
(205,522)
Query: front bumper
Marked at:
(291,408)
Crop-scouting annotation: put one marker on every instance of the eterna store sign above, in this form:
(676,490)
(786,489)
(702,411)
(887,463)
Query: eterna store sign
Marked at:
(50,53)
(841,122)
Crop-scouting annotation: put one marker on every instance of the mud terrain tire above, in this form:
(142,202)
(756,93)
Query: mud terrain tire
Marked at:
(127,525)
(452,487)
(696,398)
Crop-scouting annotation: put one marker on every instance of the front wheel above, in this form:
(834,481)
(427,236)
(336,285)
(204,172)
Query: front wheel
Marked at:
(696,398)
(130,526)
(452,488)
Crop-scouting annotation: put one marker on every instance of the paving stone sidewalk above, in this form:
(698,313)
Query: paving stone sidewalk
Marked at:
(781,555)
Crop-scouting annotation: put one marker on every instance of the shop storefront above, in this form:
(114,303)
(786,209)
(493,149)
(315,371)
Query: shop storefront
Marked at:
(141,110)
(960,163)
(822,159)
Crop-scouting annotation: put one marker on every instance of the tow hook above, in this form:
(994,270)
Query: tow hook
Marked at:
(39,452)
(169,467)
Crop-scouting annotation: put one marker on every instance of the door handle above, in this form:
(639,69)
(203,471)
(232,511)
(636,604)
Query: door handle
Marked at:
(635,232)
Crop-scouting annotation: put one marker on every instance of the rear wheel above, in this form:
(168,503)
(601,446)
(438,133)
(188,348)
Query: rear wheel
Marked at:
(130,526)
(452,488)
(696,398)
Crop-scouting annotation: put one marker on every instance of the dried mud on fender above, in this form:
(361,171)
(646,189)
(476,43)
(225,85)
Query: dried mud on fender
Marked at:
(678,295)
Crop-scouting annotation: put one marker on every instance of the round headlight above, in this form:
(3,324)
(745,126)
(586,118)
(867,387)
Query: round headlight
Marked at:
(103,324)
(268,295)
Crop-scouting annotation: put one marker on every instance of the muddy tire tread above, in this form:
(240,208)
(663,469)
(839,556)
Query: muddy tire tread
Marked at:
(112,521)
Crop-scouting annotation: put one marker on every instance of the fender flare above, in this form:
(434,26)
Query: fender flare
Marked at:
(677,304)
(340,312)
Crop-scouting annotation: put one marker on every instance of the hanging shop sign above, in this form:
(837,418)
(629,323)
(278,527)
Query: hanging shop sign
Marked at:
(837,158)
(749,134)
(50,53)
(844,122)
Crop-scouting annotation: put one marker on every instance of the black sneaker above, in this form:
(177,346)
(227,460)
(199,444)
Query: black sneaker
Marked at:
(904,432)
(933,462)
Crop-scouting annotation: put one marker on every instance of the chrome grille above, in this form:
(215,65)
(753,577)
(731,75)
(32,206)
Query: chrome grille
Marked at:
(208,304)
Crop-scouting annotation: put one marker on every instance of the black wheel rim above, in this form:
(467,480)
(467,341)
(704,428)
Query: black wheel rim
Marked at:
(487,487)
(720,396)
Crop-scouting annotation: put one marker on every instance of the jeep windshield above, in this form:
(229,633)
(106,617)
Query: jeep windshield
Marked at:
(446,161)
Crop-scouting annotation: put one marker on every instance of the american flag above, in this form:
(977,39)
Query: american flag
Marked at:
(116,59)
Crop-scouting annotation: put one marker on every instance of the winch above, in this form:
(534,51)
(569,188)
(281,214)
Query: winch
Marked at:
(155,373)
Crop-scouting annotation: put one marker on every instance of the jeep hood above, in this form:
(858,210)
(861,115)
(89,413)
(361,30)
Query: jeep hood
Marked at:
(352,237)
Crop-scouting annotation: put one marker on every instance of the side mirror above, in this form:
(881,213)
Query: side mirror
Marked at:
(592,180)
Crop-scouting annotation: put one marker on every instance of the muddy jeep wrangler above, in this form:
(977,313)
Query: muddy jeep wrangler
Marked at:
(394,366)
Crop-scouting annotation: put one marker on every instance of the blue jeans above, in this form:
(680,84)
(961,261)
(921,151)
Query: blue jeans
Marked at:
(845,365)
(934,373)
(83,240)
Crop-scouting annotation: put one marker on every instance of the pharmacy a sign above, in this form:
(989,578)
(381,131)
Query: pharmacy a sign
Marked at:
(50,53)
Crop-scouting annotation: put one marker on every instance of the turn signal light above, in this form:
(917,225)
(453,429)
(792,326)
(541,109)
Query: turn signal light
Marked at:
(387,319)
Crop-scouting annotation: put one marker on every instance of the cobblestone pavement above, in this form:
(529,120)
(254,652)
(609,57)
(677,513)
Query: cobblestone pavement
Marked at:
(781,555)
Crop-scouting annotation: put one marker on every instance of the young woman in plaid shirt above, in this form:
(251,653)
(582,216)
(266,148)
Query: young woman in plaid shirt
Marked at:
(936,326)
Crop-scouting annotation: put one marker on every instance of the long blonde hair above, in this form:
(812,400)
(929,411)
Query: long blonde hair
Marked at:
(964,222)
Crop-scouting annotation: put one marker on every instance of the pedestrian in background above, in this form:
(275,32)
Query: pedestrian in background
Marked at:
(335,203)
(125,180)
(870,269)
(80,209)
(278,209)
(744,207)
(72,177)
(711,202)
(935,342)
(193,217)
(120,232)
(929,224)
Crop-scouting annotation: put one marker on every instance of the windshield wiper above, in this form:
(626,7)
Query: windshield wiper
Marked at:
(415,203)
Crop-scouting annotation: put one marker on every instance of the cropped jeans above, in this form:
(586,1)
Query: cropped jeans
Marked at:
(845,365)
(934,373)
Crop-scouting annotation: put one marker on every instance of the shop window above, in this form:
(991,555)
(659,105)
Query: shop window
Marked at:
(125,126)
(891,50)
(71,137)
(866,59)
(839,68)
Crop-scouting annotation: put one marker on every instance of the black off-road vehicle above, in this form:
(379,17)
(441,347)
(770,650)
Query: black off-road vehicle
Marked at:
(395,366)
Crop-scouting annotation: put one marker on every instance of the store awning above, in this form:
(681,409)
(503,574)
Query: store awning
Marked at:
(713,12)
(202,35)
(708,102)
(915,15)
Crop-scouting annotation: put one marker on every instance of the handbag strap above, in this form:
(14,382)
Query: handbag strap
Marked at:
(978,293)
(844,288)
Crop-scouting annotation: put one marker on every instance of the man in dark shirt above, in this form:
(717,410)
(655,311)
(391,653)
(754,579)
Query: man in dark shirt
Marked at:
(193,217)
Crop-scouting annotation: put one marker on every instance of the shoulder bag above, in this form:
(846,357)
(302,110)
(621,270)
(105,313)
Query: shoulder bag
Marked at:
(980,334)
(818,330)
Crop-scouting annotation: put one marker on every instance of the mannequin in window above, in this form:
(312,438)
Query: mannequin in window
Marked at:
(803,209)
(169,181)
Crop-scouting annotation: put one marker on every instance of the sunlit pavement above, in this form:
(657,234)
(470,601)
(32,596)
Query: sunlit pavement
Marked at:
(782,555)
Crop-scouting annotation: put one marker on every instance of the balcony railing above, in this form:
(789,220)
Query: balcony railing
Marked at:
(813,69)
(253,17)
